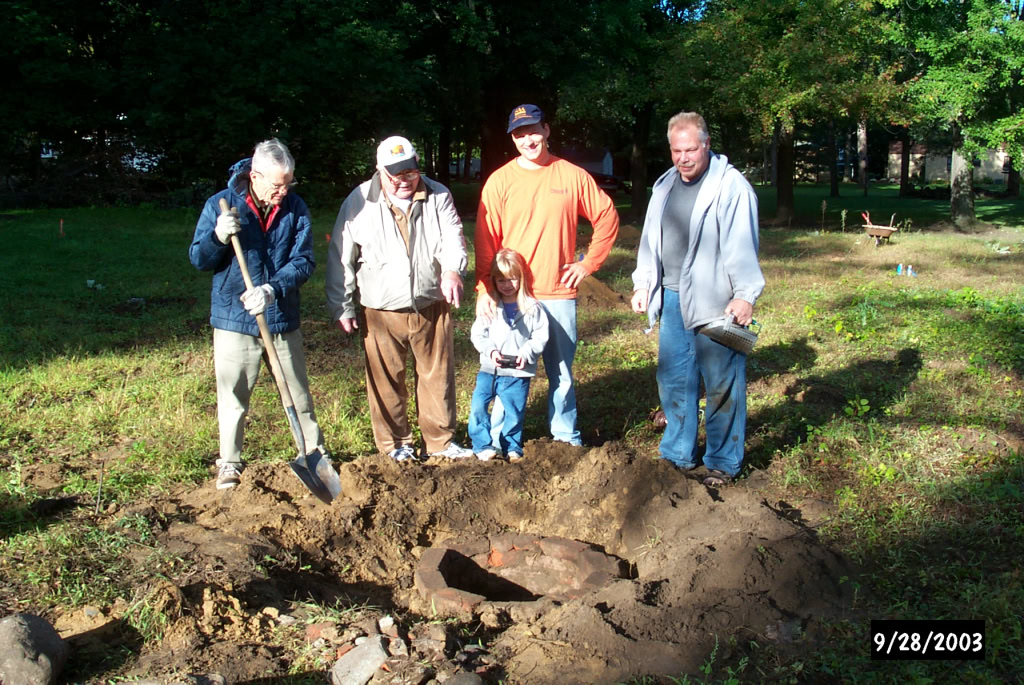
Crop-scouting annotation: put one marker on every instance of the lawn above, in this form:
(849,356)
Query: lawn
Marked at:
(896,401)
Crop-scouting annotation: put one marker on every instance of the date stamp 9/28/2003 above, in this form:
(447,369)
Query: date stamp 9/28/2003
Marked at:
(928,639)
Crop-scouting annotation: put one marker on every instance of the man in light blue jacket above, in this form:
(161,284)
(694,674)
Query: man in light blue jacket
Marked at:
(697,262)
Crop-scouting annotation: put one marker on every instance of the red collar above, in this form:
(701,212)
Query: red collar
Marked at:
(259,215)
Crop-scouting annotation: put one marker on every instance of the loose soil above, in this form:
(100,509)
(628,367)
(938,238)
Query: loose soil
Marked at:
(704,564)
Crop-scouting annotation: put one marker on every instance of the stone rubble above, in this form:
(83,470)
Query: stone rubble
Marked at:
(31,651)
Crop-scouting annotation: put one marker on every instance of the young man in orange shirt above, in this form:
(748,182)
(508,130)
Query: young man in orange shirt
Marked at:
(532,205)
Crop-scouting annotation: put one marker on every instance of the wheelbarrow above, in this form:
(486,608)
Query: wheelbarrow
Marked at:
(879,233)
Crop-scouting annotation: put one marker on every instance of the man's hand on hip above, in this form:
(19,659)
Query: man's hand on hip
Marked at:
(741,310)
(348,324)
(639,301)
(485,306)
(572,274)
(451,288)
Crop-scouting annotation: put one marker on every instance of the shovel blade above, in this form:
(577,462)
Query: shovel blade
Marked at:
(318,475)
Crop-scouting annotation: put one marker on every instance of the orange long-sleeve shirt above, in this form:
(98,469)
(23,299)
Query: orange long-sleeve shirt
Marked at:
(535,212)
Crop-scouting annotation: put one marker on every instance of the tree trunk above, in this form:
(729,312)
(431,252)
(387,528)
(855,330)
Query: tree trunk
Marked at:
(775,155)
(638,158)
(851,168)
(784,177)
(862,154)
(833,161)
(427,158)
(764,163)
(444,154)
(905,163)
(961,187)
(1013,180)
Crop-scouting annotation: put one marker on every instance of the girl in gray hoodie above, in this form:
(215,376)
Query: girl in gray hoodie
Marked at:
(509,346)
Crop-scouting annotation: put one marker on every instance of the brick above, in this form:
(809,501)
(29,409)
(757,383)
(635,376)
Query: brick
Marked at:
(472,547)
(452,601)
(591,561)
(428,580)
(503,542)
(314,631)
(561,548)
(496,557)
(524,541)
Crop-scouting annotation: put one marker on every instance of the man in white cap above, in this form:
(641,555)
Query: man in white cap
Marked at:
(398,242)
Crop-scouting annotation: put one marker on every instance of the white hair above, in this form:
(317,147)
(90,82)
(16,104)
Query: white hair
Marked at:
(688,119)
(272,153)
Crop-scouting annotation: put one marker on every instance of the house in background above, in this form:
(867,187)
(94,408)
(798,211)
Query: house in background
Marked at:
(594,161)
(933,167)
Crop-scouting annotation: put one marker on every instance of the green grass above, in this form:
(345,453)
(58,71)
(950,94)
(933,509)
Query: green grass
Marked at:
(896,399)
(882,201)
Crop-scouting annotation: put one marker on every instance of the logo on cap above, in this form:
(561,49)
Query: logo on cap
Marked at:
(398,150)
(519,113)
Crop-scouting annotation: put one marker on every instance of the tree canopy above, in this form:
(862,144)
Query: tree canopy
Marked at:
(160,97)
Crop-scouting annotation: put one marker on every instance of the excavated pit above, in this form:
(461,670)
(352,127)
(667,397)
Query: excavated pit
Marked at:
(460,577)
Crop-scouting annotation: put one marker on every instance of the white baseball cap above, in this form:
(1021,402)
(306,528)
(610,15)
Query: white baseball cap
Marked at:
(396,154)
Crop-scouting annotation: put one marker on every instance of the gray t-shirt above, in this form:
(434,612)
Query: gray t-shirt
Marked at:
(675,228)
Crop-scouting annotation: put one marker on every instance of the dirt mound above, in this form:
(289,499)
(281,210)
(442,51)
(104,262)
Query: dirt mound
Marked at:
(593,294)
(702,562)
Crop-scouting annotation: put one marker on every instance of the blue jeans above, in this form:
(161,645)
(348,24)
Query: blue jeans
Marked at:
(558,356)
(684,358)
(512,390)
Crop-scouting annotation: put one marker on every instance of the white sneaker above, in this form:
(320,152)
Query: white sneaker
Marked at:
(403,453)
(515,456)
(454,451)
(486,454)
(229,475)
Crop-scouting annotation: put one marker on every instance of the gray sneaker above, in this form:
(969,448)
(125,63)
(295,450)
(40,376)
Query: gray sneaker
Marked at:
(403,453)
(454,451)
(229,475)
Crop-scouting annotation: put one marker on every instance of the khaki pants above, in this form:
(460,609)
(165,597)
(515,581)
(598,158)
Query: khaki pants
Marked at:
(388,337)
(236,360)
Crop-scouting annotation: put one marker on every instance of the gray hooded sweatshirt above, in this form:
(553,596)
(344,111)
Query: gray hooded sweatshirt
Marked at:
(721,261)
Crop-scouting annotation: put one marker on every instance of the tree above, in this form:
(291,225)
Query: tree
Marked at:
(971,55)
(793,63)
(626,76)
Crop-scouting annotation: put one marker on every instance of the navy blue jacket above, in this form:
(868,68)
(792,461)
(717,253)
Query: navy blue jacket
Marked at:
(282,257)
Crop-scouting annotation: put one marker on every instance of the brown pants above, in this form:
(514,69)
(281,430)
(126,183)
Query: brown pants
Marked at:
(387,339)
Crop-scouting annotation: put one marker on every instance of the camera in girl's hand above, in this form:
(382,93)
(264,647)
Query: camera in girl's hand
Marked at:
(508,361)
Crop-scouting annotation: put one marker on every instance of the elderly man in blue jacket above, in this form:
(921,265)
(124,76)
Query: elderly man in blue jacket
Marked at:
(273,226)
(697,262)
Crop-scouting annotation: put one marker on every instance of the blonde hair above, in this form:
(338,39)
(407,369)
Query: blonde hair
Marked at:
(688,119)
(510,264)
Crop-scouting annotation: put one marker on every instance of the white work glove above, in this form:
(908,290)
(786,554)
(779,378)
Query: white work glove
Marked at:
(257,299)
(227,226)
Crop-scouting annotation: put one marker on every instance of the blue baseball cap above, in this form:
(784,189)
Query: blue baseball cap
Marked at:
(524,115)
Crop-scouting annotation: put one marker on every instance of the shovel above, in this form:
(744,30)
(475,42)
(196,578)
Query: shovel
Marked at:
(313,469)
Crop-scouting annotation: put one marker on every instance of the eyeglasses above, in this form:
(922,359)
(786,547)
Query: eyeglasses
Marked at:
(277,186)
(409,176)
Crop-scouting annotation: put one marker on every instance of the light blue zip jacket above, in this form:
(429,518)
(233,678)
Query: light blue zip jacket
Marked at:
(721,259)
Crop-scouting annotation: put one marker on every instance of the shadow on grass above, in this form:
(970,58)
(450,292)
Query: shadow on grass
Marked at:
(817,399)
